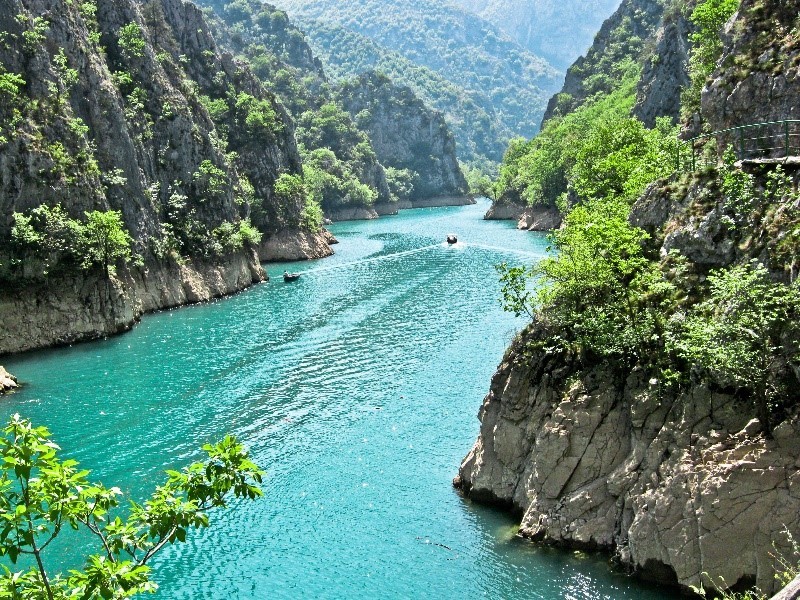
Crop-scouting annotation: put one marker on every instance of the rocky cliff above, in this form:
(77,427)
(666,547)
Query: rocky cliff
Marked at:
(680,482)
(761,59)
(132,107)
(674,486)
(285,63)
(676,483)
(406,135)
(621,41)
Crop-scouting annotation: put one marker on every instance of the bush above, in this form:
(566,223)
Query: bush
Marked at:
(744,334)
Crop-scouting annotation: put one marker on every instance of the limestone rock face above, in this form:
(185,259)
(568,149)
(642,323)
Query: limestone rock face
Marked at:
(758,79)
(8,383)
(540,218)
(81,308)
(406,134)
(131,131)
(672,485)
(665,74)
(296,245)
(634,20)
(505,211)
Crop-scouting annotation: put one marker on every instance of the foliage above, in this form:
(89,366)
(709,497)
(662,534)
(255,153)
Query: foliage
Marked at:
(131,41)
(540,171)
(312,216)
(479,182)
(331,127)
(10,86)
(744,334)
(619,158)
(708,18)
(515,296)
(230,237)
(293,190)
(35,32)
(401,183)
(54,239)
(488,87)
(597,287)
(41,495)
(257,117)
(104,240)
(601,287)
(211,179)
(332,182)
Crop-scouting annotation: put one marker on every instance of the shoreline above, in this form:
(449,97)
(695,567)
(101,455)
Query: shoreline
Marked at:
(366,213)
(82,308)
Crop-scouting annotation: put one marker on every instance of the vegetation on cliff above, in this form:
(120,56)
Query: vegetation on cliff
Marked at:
(174,156)
(280,56)
(345,165)
(606,290)
(680,285)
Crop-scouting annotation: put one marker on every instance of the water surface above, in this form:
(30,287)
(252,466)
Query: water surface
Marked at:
(356,388)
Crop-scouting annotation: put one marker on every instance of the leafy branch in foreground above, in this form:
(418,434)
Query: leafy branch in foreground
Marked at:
(41,495)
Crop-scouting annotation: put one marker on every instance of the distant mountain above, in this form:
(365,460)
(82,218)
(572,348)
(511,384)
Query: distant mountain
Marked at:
(461,64)
(557,30)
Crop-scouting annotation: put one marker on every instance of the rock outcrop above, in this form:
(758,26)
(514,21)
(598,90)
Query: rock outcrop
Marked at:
(79,307)
(761,60)
(675,486)
(406,135)
(132,107)
(531,218)
(636,22)
(676,482)
(505,211)
(680,483)
(540,218)
(666,73)
(8,383)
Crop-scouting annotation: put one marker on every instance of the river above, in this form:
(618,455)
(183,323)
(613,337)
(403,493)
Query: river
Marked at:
(356,388)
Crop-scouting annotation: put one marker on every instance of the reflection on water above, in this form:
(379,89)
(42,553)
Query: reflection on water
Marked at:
(356,388)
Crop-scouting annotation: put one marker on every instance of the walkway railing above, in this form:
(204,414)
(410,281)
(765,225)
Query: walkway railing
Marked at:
(774,139)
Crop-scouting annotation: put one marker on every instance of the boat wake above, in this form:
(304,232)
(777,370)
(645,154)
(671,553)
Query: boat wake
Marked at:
(368,260)
(524,253)
(459,246)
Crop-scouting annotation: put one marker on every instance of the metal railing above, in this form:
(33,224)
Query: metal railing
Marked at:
(774,139)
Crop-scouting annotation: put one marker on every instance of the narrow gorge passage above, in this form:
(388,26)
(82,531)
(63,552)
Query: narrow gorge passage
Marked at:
(356,388)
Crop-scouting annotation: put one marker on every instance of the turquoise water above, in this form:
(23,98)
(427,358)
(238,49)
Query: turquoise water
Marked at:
(356,388)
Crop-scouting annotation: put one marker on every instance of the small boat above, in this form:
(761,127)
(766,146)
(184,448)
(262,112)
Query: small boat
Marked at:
(451,239)
(290,276)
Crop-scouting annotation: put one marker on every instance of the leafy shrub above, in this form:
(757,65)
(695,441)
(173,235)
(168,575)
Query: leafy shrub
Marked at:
(53,239)
(131,41)
(258,117)
(744,334)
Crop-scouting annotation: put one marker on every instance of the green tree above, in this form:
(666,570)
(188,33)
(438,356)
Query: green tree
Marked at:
(131,41)
(744,334)
(105,240)
(708,18)
(41,495)
(599,288)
